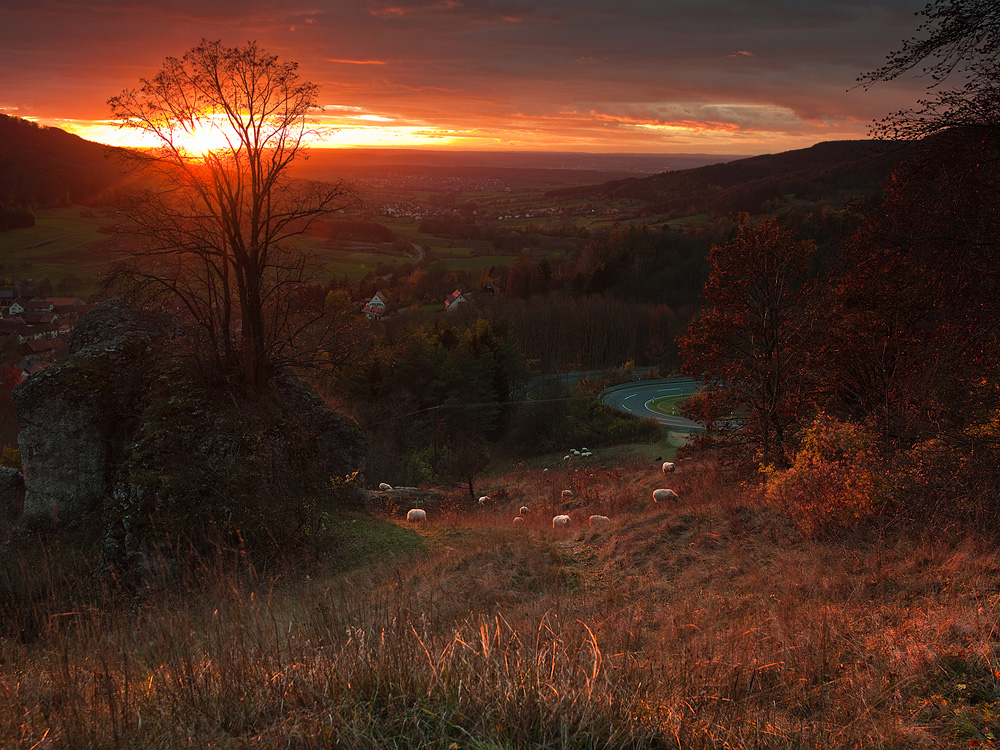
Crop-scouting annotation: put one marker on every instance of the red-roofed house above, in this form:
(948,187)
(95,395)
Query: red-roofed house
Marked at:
(453,300)
(65,301)
(376,307)
(40,319)
(38,305)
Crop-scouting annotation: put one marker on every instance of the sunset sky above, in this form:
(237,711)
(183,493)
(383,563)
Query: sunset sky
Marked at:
(657,76)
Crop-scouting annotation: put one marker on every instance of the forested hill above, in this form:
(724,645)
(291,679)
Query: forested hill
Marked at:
(42,167)
(826,171)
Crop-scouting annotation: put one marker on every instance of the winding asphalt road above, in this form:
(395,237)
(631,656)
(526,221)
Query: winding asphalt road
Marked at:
(633,398)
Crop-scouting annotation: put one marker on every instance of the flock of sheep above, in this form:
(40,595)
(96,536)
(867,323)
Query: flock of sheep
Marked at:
(561,521)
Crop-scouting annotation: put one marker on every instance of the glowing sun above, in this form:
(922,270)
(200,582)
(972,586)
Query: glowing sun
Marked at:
(202,137)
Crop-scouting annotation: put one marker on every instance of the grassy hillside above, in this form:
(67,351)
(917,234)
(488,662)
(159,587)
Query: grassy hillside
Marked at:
(65,242)
(706,624)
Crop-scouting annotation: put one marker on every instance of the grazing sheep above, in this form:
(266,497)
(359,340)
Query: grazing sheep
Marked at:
(599,520)
(524,510)
(518,519)
(483,500)
(561,522)
(385,486)
(567,494)
(663,495)
(667,467)
(416,515)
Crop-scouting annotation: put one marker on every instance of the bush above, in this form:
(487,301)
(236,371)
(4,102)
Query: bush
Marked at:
(832,483)
(16,218)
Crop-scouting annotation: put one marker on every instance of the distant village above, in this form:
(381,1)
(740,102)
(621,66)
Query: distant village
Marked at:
(34,330)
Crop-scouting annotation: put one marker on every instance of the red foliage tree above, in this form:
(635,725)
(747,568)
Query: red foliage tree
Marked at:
(752,346)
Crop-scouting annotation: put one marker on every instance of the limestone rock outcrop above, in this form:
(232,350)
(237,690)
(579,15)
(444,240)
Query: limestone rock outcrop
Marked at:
(124,432)
(77,415)
(340,446)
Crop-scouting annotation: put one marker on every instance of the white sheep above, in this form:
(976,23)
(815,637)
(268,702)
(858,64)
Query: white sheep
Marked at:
(664,495)
(667,467)
(416,515)
(574,451)
(383,486)
(483,500)
(567,494)
(561,522)
(599,520)
(518,519)
(524,510)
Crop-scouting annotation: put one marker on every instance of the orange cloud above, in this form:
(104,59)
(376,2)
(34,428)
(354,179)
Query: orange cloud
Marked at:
(355,62)
(398,11)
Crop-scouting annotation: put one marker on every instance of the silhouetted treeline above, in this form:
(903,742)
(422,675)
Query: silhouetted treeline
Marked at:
(16,218)
(561,333)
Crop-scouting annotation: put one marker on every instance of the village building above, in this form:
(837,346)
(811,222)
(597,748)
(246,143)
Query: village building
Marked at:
(37,305)
(376,307)
(453,300)
(15,307)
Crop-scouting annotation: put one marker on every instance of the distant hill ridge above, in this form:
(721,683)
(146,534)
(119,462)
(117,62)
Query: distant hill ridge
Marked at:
(43,167)
(826,170)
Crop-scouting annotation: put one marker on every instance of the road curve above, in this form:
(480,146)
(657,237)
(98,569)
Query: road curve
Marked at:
(632,398)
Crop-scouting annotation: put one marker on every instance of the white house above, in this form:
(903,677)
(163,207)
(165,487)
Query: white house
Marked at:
(375,308)
(453,300)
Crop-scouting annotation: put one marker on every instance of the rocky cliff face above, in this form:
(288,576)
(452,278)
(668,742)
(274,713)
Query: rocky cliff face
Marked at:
(123,436)
(77,415)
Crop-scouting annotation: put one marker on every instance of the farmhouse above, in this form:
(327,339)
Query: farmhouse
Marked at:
(14,307)
(376,307)
(453,300)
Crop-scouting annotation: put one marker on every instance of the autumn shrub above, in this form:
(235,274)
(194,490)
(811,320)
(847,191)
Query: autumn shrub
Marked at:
(833,482)
(952,478)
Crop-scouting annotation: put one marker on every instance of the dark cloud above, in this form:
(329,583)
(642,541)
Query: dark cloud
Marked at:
(632,73)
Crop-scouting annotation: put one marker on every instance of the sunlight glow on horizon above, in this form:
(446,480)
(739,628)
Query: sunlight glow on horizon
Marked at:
(358,128)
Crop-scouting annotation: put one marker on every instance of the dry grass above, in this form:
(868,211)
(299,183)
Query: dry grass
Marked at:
(706,624)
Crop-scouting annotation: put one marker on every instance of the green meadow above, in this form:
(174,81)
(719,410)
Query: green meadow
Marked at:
(65,242)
